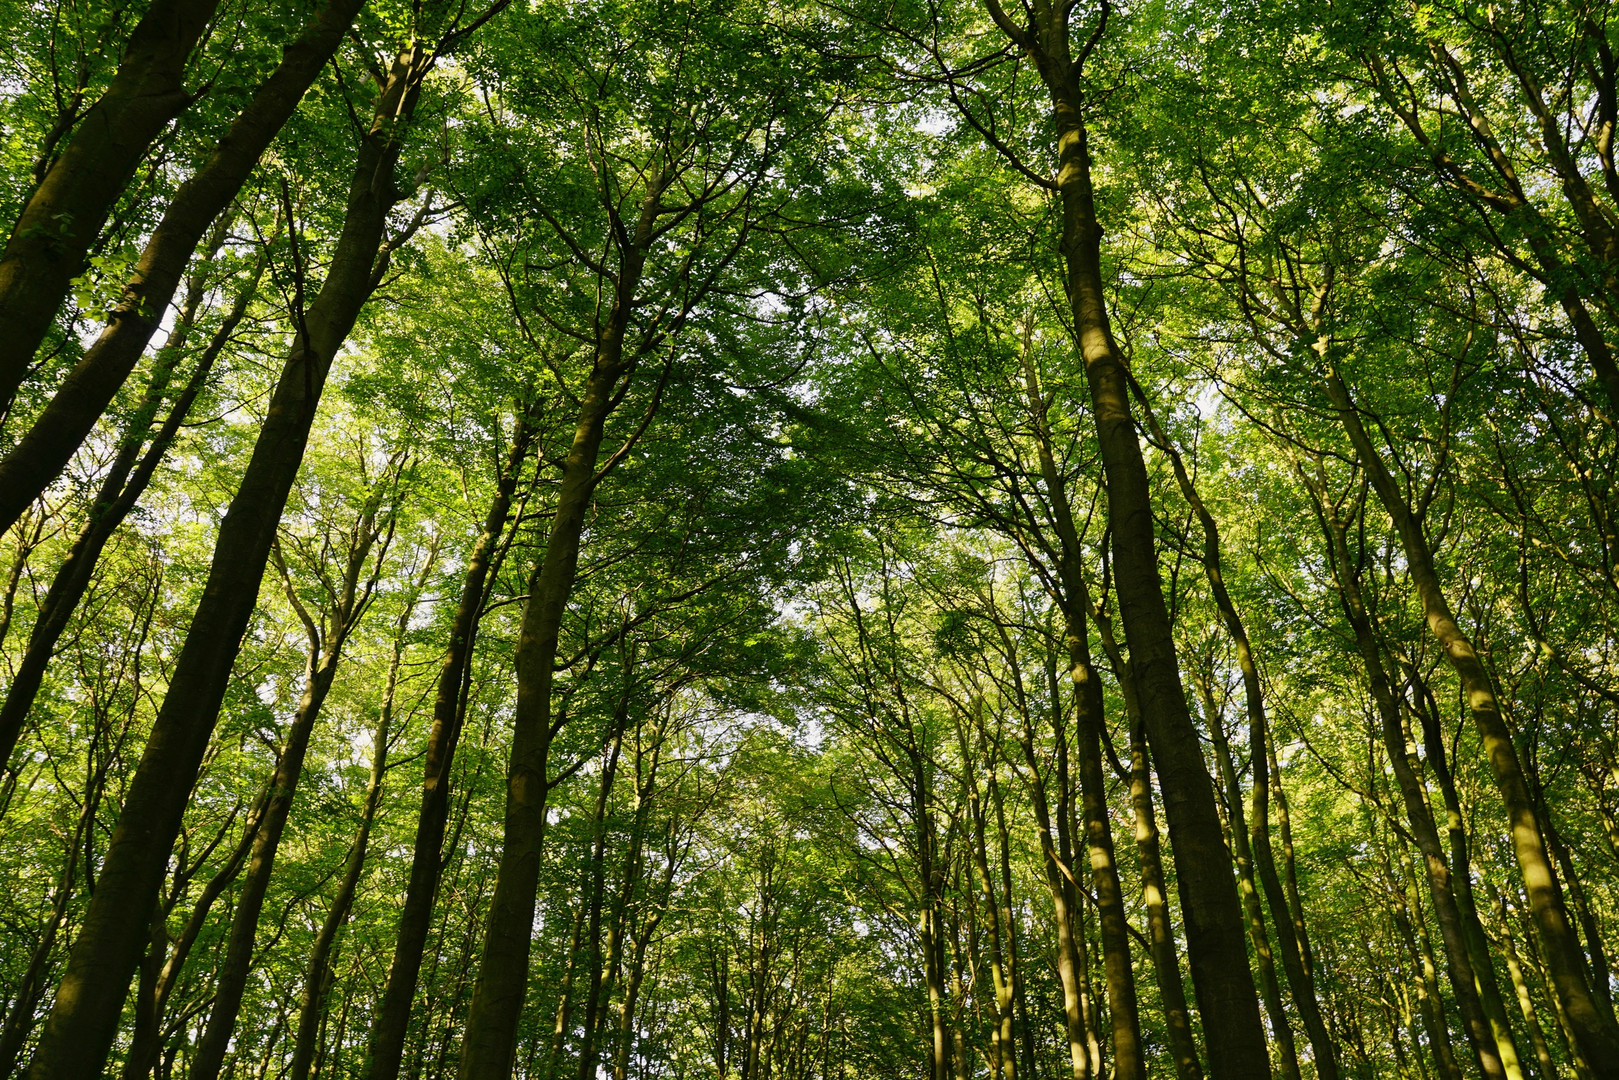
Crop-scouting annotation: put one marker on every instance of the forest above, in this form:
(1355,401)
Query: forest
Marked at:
(809,539)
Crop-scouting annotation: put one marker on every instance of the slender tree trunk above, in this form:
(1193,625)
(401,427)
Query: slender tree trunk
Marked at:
(318,975)
(1290,935)
(41,454)
(497,997)
(1068,962)
(1270,990)
(1209,901)
(1596,1034)
(392,1021)
(1409,922)
(84,1018)
(1075,601)
(65,212)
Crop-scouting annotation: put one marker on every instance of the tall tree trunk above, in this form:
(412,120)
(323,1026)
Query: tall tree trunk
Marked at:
(318,975)
(41,454)
(1209,901)
(1290,935)
(1595,1033)
(497,997)
(84,1018)
(595,901)
(1128,1060)
(392,1022)
(65,212)
(1155,895)
(1413,930)
(1270,990)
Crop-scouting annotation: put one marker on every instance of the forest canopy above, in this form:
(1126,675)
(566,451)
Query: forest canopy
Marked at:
(809,539)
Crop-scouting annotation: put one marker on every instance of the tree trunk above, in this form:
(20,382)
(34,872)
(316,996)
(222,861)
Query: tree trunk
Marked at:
(1213,912)
(125,482)
(497,998)
(84,1019)
(41,454)
(65,212)
(392,1022)
(1596,1035)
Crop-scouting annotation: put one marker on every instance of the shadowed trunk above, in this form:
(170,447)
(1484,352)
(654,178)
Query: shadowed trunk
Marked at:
(65,212)
(84,1019)
(42,453)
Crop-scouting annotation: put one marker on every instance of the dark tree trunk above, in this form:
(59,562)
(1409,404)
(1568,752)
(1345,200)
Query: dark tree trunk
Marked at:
(84,1019)
(126,480)
(392,1022)
(42,453)
(65,212)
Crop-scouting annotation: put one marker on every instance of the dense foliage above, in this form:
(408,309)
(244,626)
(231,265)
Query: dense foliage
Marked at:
(809,540)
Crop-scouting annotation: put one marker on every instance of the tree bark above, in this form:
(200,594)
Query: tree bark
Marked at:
(42,453)
(84,1018)
(65,212)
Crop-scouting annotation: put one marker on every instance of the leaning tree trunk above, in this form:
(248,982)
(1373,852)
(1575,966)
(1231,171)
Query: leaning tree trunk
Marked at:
(318,975)
(340,619)
(392,1021)
(1209,901)
(1595,1034)
(65,213)
(42,453)
(126,480)
(84,1019)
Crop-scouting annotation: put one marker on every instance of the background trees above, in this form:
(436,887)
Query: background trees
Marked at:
(668,539)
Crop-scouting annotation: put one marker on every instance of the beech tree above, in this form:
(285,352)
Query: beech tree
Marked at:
(802,541)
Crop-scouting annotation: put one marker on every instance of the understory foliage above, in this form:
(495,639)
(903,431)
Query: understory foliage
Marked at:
(809,540)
